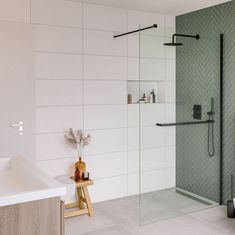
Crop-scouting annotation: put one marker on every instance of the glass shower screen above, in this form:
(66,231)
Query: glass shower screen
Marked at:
(177,86)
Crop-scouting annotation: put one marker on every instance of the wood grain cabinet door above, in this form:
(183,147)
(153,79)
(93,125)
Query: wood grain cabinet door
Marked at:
(33,218)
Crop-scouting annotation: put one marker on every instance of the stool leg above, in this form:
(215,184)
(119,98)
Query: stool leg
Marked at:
(88,201)
(79,195)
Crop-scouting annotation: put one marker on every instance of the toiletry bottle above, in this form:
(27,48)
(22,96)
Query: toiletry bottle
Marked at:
(77,175)
(144,98)
(129,99)
(153,96)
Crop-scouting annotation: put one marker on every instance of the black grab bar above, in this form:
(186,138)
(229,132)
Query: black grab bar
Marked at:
(184,123)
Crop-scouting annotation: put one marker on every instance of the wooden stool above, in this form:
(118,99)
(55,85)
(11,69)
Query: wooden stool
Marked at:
(82,199)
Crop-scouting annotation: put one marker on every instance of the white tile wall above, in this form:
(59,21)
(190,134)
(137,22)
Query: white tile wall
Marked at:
(52,146)
(105,18)
(109,188)
(133,68)
(58,119)
(105,92)
(133,184)
(58,92)
(57,167)
(106,116)
(133,161)
(114,165)
(58,66)
(153,180)
(58,39)
(152,69)
(107,141)
(57,12)
(81,82)
(145,19)
(102,43)
(105,67)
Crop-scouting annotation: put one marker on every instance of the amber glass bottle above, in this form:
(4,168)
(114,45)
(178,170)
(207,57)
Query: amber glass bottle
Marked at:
(81,166)
(77,175)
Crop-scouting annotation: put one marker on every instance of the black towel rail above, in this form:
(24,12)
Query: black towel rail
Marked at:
(184,123)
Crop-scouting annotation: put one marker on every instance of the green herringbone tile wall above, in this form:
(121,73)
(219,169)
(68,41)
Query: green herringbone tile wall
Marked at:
(197,80)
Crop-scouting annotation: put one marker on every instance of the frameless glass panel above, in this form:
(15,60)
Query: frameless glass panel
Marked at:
(179,164)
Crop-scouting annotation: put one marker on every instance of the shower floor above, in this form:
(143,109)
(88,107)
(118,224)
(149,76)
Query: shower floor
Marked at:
(155,206)
(165,204)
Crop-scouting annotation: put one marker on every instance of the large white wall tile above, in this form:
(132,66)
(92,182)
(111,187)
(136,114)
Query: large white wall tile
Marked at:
(107,141)
(133,138)
(58,119)
(152,47)
(170,157)
(108,188)
(133,184)
(153,181)
(170,91)
(133,115)
(106,165)
(152,113)
(152,159)
(142,19)
(105,67)
(105,92)
(152,69)
(99,17)
(170,112)
(170,51)
(152,137)
(15,10)
(57,12)
(58,92)
(133,161)
(58,167)
(52,146)
(106,116)
(170,70)
(170,136)
(58,66)
(170,26)
(133,45)
(170,177)
(103,43)
(58,39)
(133,68)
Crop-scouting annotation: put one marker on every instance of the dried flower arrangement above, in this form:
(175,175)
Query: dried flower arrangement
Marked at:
(77,140)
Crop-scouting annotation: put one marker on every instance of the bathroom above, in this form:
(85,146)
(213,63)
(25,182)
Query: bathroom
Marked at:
(149,85)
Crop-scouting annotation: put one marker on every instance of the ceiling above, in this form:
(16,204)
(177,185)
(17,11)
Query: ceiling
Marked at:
(168,7)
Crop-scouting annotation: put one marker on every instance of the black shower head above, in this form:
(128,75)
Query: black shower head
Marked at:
(173,43)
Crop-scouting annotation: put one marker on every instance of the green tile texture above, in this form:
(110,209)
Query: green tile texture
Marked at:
(197,80)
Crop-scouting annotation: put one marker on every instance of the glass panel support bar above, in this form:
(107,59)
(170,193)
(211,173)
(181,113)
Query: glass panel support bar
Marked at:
(135,31)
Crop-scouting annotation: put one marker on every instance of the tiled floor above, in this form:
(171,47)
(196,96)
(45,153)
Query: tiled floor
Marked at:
(121,217)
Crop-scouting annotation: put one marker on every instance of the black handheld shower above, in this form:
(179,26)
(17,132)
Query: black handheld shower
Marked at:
(210,141)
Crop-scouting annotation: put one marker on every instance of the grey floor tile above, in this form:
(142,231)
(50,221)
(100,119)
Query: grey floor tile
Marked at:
(114,230)
(83,224)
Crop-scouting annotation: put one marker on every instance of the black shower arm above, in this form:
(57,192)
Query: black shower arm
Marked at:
(184,35)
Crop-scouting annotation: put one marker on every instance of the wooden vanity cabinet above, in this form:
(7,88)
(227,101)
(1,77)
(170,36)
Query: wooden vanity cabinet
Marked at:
(43,217)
